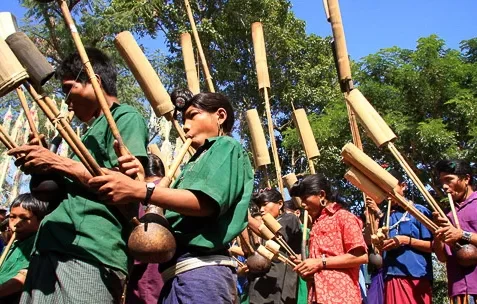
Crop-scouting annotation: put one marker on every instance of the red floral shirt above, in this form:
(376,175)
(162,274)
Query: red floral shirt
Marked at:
(335,232)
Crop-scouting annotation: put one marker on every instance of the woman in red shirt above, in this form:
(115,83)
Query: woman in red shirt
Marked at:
(337,247)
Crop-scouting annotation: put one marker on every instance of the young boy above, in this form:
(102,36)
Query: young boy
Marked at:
(80,253)
(26,213)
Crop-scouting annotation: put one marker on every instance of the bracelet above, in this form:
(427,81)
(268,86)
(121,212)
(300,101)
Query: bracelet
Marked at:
(323,260)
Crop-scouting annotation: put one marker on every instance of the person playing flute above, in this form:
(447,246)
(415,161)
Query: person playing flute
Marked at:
(84,235)
(26,213)
(407,264)
(279,285)
(206,206)
(337,247)
(456,179)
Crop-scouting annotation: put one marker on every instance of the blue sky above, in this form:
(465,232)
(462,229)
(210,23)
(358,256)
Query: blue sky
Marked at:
(371,25)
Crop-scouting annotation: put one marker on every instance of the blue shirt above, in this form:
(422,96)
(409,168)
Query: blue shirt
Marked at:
(406,261)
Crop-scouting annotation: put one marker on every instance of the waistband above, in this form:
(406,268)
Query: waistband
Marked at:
(197,262)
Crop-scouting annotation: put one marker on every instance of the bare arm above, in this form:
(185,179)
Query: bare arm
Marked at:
(118,188)
(439,249)
(13,285)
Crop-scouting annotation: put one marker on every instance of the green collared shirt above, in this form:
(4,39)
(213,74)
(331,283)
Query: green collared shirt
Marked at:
(220,169)
(17,258)
(83,227)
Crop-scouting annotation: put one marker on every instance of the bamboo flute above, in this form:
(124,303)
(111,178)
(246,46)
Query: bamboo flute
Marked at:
(208,78)
(7,249)
(264,83)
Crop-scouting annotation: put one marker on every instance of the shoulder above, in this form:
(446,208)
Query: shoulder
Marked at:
(288,219)
(124,108)
(423,209)
(347,218)
(225,142)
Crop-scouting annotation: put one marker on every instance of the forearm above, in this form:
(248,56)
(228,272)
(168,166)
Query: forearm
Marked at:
(346,260)
(421,245)
(13,285)
(73,169)
(182,201)
(439,249)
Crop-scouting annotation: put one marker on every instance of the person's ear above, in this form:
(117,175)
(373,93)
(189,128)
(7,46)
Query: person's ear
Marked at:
(221,116)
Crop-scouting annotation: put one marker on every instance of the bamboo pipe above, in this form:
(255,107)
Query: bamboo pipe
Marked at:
(275,249)
(148,80)
(167,180)
(189,64)
(7,249)
(267,234)
(245,241)
(327,11)
(388,213)
(454,213)
(208,78)
(26,109)
(65,130)
(6,139)
(264,83)
(372,177)
(343,64)
(261,156)
(434,205)
(363,183)
(239,263)
(289,180)
(274,227)
(305,133)
(92,76)
(266,253)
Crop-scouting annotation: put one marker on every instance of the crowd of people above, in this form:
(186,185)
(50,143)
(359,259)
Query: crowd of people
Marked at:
(77,251)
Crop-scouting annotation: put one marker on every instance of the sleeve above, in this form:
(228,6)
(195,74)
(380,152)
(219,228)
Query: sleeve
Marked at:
(134,132)
(221,173)
(351,231)
(424,233)
(291,231)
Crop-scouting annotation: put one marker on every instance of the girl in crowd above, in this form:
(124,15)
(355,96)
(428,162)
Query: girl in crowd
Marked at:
(279,285)
(206,207)
(337,246)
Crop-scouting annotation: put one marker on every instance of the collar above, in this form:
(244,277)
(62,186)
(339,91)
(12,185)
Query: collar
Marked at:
(207,144)
(470,199)
(331,208)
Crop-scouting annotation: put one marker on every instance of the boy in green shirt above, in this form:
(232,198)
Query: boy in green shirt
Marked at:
(26,213)
(84,235)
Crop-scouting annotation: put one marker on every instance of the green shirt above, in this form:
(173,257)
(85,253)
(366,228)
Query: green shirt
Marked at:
(17,258)
(220,169)
(81,226)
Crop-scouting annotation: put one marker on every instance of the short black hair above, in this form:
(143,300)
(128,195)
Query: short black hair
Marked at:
(29,202)
(209,102)
(290,205)
(266,195)
(154,166)
(72,68)
(458,167)
(312,185)
(398,175)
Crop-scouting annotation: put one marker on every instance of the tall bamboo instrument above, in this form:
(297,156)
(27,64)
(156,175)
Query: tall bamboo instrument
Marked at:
(91,75)
(343,67)
(205,67)
(148,80)
(312,152)
(189,63)
(375,126)
(264,84)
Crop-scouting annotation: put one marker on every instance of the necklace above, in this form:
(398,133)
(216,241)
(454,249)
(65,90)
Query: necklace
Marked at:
(396,225)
